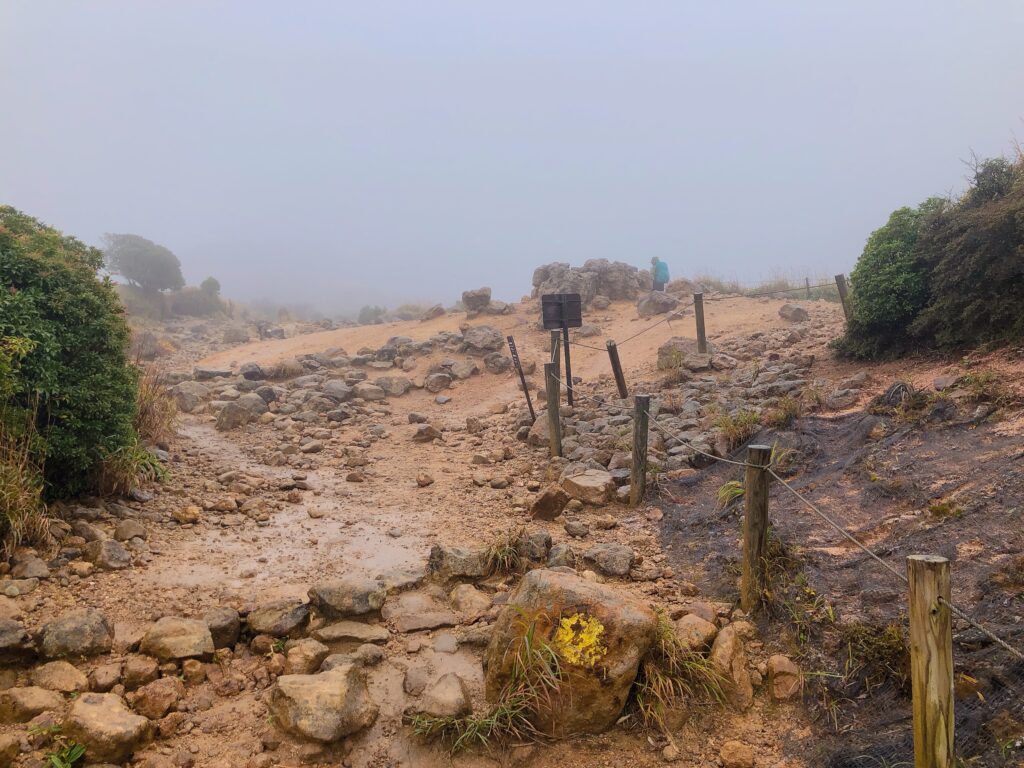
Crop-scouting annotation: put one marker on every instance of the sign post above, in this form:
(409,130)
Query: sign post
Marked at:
(563,311)
(522,376)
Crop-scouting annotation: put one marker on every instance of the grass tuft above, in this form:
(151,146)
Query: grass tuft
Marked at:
(535,679)
(22,511)
(503,554)
(155,411)
(738,427)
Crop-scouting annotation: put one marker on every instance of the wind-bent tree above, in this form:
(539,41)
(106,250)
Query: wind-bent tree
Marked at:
(143,263)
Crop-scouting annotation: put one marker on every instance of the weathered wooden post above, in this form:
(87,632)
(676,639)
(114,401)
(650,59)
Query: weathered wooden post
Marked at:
(698,311)
(931,660)
(638,472)
(755,526)
(807,283)
(554,422)
(841,285)
(620,379)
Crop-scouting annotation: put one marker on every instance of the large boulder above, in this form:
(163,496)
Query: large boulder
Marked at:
(173,638)
(325,707)
(680,352)
(104,725)
(232,416)
(793,313)
(84,632)
(189,395)
(656,303)
(596,278)
(19,705)
(394,386)
(107,554)
(591,486)
(549,504)
(476,300)
(599,634)
(347,596)
(610,559)
(481,339)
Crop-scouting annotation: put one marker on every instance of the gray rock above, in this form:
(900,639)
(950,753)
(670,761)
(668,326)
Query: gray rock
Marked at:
(656,303)
(476,300)
(104,725)
(224,625)
(793,313)
(448,697)
(83,632)
(458,562)
(610,559)
(348,596)
(481,339)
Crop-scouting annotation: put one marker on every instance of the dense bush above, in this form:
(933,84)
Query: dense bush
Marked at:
(195,302)
(947,274)
(76,377)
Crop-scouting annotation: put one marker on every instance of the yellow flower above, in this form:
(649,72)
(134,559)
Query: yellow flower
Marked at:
(578,640)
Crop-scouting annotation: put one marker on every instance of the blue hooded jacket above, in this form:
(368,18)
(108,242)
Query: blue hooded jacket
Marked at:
(661,272)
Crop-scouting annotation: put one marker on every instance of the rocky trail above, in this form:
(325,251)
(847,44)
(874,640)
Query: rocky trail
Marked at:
(329,555)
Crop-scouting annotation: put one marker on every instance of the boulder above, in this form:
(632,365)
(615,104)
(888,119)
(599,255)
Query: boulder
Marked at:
(549,504)
(591,486)
(173,638)
(156,699)
(232,416)
(347,596)
(468,600)
(458,562)
(600,635)
(681,353)
(481,339)
(610,559)
(434,312)
(19,705)
(126,530)
(225,626)
(729,660)
(784,678)
(656,303)
(84,632)
(695,633)
(279,618)
(60,676)
(793,314)
(447,697)
(337,390)
(436,382)
(368,391)
(497,363)
(107,554)
(189,395)
(736,754)
(425,433)
(15,643)
(394,386)
(304,657)
(252,372)
(107,729)
(476,300)
(326,707)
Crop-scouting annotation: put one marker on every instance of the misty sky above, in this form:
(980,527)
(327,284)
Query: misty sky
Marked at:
(342,152)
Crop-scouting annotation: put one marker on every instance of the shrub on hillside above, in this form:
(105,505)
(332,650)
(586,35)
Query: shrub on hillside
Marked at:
(143,263)
(195,302)
(76,376)
(947,274)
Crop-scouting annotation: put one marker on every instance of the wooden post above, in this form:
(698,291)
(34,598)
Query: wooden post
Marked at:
(620,379)
(568,365)
(638,473)
(841,285)
(554,422)
(931,660)
(755,526)
(522,376)
(556,350)
(807,282)
(698,310)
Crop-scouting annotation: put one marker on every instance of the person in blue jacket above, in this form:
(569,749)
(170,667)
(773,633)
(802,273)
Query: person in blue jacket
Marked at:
(660,271)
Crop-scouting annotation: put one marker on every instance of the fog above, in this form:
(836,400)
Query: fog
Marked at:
(347,153)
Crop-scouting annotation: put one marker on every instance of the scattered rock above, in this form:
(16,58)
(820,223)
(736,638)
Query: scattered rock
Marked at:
(225,626)
(173,638)
(156,699)
(84,632)
(468,600)
(656,303)
(326,707)
(107,554)
(448,697)
(729,659)
(549,504)
(107,729)
(279,618)
(736,754)
(610,559)
(793,313)
(60,676)
(19,705)
(695,633)
(304,657)
(784,678)
(348,596)
(458,562)
(592,486)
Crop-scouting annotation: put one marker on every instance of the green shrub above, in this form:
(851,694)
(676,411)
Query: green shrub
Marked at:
(948,274)
(195,302)
(77,375)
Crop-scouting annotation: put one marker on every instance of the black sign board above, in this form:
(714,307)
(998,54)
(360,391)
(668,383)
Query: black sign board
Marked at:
(561,310)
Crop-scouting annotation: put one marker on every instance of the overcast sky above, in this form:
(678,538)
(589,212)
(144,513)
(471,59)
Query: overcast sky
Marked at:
(348,152)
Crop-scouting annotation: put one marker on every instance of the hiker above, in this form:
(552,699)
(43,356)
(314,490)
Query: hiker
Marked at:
(660,271)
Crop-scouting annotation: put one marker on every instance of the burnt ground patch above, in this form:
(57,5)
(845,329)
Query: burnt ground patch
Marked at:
(940,484)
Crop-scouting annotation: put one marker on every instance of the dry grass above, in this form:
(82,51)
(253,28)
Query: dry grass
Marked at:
(784,414)
(536,676)
(22,511)
(124,469)
(156,411)
(738,427)
(503,554)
